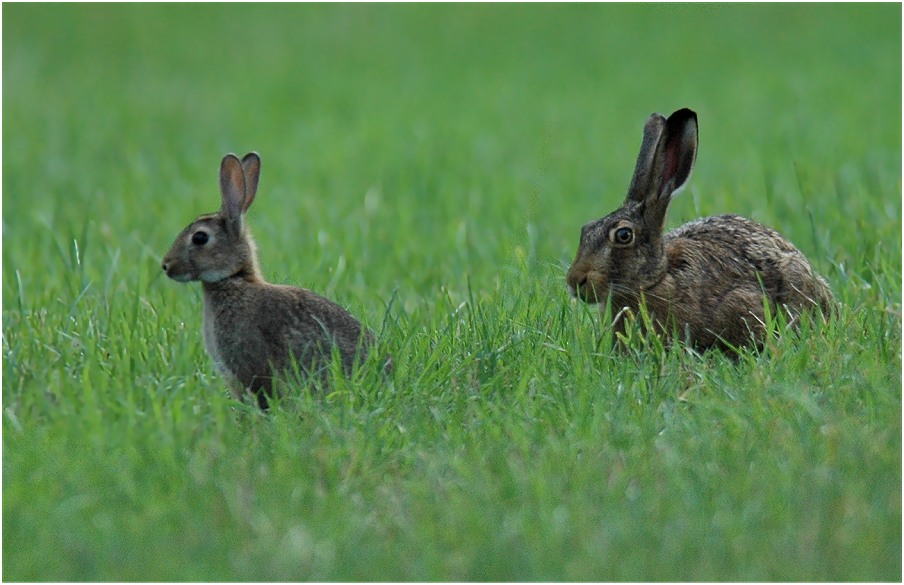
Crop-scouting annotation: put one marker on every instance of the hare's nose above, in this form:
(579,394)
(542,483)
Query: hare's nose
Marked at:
(579,287)
(165,267)
(576,280)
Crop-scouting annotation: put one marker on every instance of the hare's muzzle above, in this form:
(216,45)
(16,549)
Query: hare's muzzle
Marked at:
(576,280)
(581,285)
(574,285)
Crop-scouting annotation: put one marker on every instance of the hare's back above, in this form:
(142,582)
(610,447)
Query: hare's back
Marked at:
(730,252)
(731,232)
(734,239)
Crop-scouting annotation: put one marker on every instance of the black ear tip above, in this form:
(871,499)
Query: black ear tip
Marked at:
(684,114)
(251,156)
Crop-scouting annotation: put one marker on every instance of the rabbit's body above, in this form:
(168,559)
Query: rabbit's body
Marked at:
(281,326)
(704,281)
(254,330)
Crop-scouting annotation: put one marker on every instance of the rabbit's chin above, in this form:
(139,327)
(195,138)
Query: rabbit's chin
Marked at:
(214,275)
(204,276)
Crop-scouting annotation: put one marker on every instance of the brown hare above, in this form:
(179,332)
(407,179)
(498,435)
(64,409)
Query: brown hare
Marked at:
(704,282)
(253,329)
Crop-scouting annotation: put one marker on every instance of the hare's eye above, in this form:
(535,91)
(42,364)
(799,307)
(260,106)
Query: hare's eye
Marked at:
(623,235)
(199,238)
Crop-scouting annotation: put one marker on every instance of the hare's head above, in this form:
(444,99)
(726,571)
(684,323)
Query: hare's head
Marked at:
(623,253)
(218,245)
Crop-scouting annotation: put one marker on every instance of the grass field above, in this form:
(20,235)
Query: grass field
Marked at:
(429,167)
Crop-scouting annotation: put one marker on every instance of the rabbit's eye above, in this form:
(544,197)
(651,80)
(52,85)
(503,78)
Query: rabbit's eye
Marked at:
(199,238)
(623,236)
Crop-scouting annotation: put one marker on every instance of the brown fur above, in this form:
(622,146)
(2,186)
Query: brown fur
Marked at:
(705,281)
(253,329)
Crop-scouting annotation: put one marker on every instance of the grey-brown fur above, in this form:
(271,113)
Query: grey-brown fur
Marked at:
(253,329)
(704,281)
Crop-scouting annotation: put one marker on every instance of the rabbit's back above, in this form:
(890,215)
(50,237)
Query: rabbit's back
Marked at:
(256,329)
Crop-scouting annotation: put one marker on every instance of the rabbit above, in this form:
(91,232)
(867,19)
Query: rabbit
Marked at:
(704,281)
(254,329)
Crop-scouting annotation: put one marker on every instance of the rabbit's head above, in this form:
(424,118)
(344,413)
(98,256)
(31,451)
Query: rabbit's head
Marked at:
(623,253)
(218,245)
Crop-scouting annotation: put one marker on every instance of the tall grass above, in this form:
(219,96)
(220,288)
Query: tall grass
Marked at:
(429,167)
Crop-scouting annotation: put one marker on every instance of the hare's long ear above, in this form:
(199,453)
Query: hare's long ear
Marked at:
(232,190)
(251,168)
(675,154)
(672,163)
(643,170)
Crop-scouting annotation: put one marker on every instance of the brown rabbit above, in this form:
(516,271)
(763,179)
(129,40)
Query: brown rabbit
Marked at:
(704,281)
(253,329)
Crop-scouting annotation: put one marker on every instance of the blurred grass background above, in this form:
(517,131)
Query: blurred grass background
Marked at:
(441,159)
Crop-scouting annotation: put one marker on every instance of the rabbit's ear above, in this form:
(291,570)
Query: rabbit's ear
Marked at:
(251,168)
(232,190)
(643,170)
(675,155)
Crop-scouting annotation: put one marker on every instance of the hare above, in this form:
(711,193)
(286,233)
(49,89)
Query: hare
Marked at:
(704,281)
(254,329)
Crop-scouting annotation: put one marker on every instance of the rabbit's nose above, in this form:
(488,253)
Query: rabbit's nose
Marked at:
(165,267)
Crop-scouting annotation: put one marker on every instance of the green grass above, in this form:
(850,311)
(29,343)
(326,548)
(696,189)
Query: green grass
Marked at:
(430,167)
